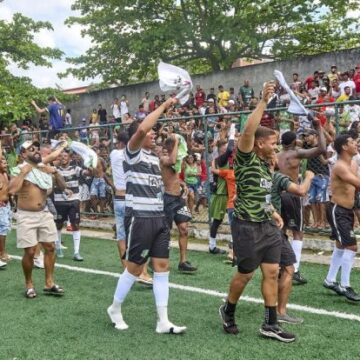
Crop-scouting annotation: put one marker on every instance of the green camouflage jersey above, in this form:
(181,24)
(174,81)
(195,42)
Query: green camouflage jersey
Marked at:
(254,182)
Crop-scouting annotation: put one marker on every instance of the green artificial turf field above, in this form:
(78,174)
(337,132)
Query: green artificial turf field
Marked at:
(77,326)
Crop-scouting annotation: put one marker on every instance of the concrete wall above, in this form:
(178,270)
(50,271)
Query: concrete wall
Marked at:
(257,74)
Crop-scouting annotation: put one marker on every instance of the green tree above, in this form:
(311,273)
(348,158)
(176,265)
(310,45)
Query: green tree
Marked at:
(17,45)
(130,37)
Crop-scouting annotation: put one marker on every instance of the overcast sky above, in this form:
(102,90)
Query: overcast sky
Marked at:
(67,39)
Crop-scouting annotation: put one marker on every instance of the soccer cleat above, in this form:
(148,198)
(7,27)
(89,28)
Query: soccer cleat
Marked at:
(169,328)
(298,279)
(186,267)
(228,321)
(217,251)
(349,293)
(117,319)
(2,264)
(78,257)
(288,319)
(333,285)
(275,332)
(59,253)
(39,262)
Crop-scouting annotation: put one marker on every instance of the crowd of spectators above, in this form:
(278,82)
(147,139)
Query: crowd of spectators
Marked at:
(319,88)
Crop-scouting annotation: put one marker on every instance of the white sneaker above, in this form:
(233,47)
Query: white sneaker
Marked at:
(39,262)
(117,319)
(2,264)
(169,328)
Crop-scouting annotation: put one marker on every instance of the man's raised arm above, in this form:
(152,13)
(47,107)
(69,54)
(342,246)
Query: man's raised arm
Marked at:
(247,138)
(136,141)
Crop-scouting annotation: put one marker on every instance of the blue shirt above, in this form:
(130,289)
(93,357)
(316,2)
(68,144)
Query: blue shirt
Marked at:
(55,120)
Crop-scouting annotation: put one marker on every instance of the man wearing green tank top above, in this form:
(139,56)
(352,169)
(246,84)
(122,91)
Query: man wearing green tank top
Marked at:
(256,225)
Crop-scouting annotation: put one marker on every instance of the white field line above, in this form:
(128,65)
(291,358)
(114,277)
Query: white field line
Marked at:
(308,309)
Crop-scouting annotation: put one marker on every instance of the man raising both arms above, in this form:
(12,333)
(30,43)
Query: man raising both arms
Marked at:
(344,182)
(289,164)
(255,226)
(147,232)
(174,204)
(35,223)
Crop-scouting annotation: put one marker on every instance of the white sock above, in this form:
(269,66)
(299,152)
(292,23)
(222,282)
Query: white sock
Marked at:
(212,243)
(297,247)
(58,241)
(126,281)
(346,266)
(161,294)
(336,260)
(76,239)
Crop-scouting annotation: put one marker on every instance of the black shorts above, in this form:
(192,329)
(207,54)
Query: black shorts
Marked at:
(255,243)
(287,257)
(65,210)
(292,211)
(341,221)
(176,210)
(146,237)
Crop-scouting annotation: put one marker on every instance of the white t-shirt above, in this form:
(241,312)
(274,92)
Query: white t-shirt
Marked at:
(123,107)
(116,111)
(116,159)
(68,120)
(349,83)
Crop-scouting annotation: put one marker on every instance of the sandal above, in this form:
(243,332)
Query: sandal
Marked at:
(30,293)
(55,290)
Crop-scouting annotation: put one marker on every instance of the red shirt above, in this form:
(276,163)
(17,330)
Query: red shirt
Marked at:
(356,80)
(322,116)
(199,98)
(203,175)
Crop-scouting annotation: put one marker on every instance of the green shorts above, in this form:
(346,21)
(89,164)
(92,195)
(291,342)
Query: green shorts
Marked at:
(218,206)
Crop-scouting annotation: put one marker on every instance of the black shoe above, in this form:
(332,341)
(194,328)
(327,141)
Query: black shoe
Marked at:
(275,332)
(217,251)
(349,293)
(186,267)
(228,321)
(298,279)
(334,286)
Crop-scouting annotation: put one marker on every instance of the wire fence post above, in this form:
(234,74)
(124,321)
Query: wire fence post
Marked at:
(111,133)
(208,172)
(336,118)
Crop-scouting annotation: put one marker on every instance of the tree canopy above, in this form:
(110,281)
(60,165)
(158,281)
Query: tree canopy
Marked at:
(130,37)
(17,45)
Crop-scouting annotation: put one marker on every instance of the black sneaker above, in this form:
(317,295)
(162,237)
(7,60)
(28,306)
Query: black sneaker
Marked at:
(186,267)
(275,332)
(228,321)
(350,293)
(298,279)
(217,251)
(333,285)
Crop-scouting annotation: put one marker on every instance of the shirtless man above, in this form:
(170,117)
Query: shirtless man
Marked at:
(5,209)
(34,222)
(292,212)
(344,182)
(174,204)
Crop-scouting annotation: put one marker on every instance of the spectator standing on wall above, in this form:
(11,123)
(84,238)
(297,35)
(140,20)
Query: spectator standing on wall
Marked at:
(346,82)
(102,114)
(212,96)
(296,84)
(356,79)
(200,96)
(54,109)
(333,74)
(124,108)
(68,119)
(116,110)
(223,96)
(246,92)
(146,102)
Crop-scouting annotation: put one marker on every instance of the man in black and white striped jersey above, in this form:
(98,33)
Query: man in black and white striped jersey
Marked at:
(147,232)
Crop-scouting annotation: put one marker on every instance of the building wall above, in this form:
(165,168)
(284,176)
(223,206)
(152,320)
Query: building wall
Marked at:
(257,74)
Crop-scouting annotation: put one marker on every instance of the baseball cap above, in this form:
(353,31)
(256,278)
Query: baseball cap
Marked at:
(310,132)
(231,102)
(27,144)
(83,119)
(323,88)
(211,100)
(333,66)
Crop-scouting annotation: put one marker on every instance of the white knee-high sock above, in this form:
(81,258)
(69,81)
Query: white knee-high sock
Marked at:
(346,266)
(76,239)
(161,294)
(58,241)
(297,247)
(212,243)
(336,260)
(126,281)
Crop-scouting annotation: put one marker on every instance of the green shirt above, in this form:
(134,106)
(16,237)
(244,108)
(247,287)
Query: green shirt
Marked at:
(254,182)
(280,183)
